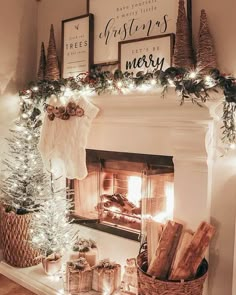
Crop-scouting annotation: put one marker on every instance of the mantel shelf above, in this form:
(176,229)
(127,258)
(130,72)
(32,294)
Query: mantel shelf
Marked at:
(152,107)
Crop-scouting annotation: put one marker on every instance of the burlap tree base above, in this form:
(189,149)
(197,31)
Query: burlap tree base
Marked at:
(14,235)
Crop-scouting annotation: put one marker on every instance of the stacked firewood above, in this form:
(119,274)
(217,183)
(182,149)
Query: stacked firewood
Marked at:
(178,253)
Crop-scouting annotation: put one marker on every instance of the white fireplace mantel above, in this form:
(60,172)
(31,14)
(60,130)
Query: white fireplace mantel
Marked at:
(146,123)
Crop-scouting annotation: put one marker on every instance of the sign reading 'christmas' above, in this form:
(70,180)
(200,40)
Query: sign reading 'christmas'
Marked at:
(121,20)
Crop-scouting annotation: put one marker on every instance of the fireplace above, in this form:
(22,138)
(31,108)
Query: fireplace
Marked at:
(122,189)
(204,182)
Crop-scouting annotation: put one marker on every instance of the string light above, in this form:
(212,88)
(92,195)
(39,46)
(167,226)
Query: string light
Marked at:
(119,84)
(171,82)
(153,82)
(35,88)
(192,75)
(24,116)
(232,146)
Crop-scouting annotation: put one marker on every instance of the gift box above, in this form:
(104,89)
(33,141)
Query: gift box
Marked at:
(79,276)
(87,249)
(106,277)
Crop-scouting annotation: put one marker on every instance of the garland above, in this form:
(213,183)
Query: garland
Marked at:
(188,85)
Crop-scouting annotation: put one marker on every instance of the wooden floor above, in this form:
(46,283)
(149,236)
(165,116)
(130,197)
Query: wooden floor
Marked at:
(8,287)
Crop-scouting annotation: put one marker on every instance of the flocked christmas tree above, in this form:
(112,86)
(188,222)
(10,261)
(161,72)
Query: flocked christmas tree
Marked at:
(26,184)
(51,232)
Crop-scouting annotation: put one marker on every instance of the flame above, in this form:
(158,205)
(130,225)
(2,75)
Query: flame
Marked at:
(162,217)
(134,189)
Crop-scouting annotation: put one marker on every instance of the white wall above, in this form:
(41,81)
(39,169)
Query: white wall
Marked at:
(18,35)
(53,12)
(222,22)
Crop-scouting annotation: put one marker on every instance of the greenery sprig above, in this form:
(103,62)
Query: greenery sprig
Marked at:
(189,86)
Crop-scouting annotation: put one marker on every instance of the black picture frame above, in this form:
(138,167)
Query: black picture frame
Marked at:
(77,45)
(146,54)
(108,54)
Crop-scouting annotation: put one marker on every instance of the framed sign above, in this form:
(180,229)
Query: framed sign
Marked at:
(146,54)
(122,20)
(77,45)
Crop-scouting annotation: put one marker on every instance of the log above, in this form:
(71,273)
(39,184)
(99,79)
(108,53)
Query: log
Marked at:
(161,262)
(192,257)
(154,230)
(184,243)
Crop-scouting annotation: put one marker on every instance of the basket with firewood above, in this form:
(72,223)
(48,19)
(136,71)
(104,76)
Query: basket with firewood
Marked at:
(177,266)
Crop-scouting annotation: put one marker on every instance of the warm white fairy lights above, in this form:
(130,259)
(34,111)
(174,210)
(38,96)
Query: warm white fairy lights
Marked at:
(50,230)
(24,172)
(192,75)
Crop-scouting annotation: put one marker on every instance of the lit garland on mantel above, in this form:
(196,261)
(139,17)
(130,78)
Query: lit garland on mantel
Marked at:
(189,85)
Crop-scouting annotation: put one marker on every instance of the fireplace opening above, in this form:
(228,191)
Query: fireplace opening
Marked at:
(123,190)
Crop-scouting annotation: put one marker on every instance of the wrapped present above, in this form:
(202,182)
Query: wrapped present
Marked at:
(78,276)
(106,277)
(87,249)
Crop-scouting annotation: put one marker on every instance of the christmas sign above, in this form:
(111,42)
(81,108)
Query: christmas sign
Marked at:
(147,54)
(77,44)
(122,20)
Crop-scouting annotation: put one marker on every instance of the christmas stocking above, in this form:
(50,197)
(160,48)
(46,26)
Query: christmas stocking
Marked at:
(64,136)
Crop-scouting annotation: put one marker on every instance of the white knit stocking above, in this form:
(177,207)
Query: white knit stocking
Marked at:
(66,140)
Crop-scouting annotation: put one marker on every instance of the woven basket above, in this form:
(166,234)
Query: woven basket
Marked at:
(148,285)
(14,234)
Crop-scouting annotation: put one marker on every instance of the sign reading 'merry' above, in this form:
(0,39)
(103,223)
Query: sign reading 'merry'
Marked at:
(146,55)
(121,20)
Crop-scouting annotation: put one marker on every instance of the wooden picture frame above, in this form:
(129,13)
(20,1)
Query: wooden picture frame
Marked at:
(77,45)
(122,20)
(146,54)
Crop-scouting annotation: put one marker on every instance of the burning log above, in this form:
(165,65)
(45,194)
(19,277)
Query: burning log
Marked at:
(120,202)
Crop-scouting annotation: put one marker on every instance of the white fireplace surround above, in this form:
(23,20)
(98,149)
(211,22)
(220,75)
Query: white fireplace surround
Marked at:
(147,123)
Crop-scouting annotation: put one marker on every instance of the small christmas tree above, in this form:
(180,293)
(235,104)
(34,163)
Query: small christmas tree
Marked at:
(206,56)
(25,185)
(42,64)
(52,64)
(50,230)
(183,52)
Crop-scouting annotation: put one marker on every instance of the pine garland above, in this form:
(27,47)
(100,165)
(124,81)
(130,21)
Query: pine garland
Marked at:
(189,86)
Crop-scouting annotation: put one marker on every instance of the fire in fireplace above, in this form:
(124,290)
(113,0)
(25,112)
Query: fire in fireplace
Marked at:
(121,189)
